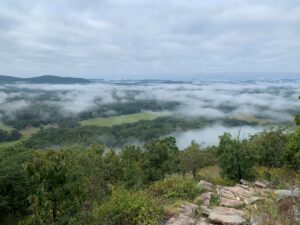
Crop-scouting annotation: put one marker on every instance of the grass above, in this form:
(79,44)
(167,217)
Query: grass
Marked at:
(212,174)
(118,120)
(5,127)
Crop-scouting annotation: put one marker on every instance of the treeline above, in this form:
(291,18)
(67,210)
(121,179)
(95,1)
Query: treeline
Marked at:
(97,186)
(75,185)
(274,148)
(9,135)
(69,133)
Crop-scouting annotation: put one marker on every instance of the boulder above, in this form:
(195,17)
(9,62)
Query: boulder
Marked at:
(226,194)
(226,219)
(230,202)
(206,185)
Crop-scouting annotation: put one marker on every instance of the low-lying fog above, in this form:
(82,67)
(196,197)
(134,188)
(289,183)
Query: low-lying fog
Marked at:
(209,136)
(275,101)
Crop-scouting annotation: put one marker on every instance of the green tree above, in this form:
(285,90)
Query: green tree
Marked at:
(160,158)
(193,158)
(112,165)
(235,158)
(15,186)
(60,192)
(269,147)
(133,173)
(292,151)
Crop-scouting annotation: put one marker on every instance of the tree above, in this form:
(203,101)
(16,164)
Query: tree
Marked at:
(60,191)
(235,159)
(130,157)
(269,147)
(292,151)
(160,158)
(193,158)
(15,186)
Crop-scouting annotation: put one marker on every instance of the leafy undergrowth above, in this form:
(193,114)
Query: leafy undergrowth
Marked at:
(277,212)
(175,187)
(279,178)
(127,207)
(212,174)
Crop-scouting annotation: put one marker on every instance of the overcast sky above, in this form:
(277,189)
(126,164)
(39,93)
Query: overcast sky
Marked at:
(149,38)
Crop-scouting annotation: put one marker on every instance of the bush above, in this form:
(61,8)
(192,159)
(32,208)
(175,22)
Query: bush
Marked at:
(125,207)
(175,187)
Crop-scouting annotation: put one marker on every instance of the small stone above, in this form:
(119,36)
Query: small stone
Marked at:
(244,182)
(206,185)
(188,209)
(260,184)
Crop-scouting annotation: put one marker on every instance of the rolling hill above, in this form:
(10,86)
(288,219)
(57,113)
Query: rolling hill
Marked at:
(45,79)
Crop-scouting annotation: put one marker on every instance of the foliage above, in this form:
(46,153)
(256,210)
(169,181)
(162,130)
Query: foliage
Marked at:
(235,159)
(212,174)
(9,135)
(193,158)
(292,153)
(131,162)
(59,193)
(15,187)
(175,187)
(269,146)
(160,158)
(126,207)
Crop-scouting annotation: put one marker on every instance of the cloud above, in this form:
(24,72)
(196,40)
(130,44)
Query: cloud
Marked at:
(126,39)
(274,101)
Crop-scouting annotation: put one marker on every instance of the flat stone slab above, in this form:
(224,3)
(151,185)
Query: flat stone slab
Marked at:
(181,219)
(229,211)
(230,202)
(226,219)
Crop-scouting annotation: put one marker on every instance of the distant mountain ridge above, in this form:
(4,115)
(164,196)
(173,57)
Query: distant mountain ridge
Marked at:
(45,79)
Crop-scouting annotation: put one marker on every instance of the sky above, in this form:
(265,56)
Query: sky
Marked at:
(115,39)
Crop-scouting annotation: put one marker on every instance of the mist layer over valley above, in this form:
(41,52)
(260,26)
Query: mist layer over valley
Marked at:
(111,112)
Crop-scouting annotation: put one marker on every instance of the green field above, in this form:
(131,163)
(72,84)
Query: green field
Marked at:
(117,120)
(4,127)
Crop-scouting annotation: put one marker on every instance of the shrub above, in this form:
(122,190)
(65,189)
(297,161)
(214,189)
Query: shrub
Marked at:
(126,207)
(175,187)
